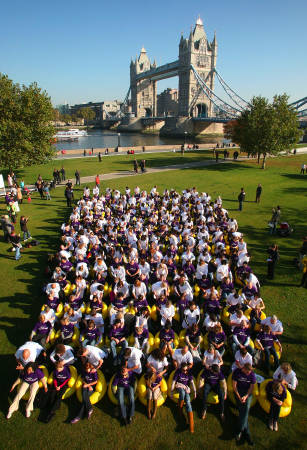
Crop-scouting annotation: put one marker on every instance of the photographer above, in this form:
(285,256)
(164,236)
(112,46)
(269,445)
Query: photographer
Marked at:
(24,228)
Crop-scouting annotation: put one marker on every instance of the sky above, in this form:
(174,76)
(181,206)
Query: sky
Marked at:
(80,52)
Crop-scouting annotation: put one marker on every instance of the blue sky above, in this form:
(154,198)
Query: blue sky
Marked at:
(81,51)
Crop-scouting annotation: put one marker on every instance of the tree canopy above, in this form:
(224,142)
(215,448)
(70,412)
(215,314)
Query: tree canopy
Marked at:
(86,114)
(265,128)
(25,124)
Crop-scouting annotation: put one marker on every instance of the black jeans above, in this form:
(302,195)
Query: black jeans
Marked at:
(41,339)
(86,403)
(274,412)
(55,398)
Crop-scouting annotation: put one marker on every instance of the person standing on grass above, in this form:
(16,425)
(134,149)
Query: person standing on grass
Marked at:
(63,175)
(99,157)
(272,260)
(135,166)
(15,240)
(77,175)
(69,196)
(275,219)
(7,227)
(97,180)
(46,191)
(243,382)
(303,168)
(258,193)
(241,198)
(24,228)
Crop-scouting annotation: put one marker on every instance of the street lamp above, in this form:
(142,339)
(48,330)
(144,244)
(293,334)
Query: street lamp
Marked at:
(118,141)
(185,138)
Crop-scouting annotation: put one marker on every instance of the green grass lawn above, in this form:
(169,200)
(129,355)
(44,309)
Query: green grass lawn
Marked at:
(115,163)
(21,298)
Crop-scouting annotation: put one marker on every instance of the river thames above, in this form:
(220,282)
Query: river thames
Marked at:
(106,138)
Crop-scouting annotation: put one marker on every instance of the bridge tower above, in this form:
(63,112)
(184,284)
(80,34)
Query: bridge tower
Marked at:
(143,92)
(201,53)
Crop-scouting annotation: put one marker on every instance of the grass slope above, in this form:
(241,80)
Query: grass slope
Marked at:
(20,300)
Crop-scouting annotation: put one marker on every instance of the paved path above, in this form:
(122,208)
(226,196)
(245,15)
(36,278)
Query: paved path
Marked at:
(127,173)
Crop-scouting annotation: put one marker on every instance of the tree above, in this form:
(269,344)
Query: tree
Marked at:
(25,124)
(87,114)
(265,129)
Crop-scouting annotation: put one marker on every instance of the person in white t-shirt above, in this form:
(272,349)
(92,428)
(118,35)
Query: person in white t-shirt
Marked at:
(242,357)
(132,358)
(210,322)
(93,355)
(157,362)
(237,318)
(275,325)
(62,353)
(27,353)
(167,312)
(182,355)
(286,375)
(191,315)
(212,356)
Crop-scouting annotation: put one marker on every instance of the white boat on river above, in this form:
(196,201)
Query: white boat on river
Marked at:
(72,134)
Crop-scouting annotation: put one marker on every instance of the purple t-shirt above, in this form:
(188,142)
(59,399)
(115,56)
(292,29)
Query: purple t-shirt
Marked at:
(266,339)
(89,377)
(166,335)
(33,377)
(42,328)
(143,335)
(92,334)
(155,383)
(193,336)
(61,376)
(211,377)
(121,381)
(67,330)
(241,333)
(118,333)
(216,338)
(243,380)
(182,377)
(53,303)
(139,304)
(272,394)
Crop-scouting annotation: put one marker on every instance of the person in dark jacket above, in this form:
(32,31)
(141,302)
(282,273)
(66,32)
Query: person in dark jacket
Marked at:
(69,196)
(272,260)
(241,198)
(258,193)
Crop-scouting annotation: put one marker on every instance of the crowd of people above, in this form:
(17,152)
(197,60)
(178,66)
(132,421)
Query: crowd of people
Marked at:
(160,286)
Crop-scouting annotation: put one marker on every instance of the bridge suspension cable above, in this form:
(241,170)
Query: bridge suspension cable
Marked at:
(224,107)
(299,103)
(239,101)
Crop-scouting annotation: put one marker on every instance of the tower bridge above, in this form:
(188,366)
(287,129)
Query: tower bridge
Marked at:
(200,109)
